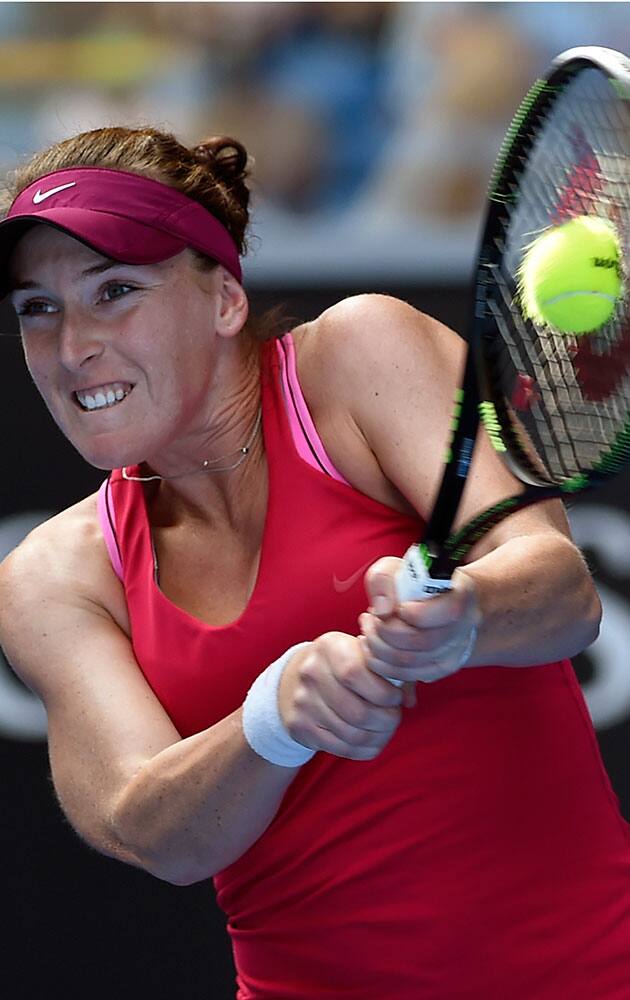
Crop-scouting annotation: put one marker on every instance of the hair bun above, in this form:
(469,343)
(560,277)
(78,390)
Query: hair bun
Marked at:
(227,157)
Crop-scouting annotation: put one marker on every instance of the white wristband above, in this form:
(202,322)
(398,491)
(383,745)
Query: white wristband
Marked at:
(262,725)
(469,648)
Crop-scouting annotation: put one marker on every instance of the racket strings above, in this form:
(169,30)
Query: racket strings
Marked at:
(565,399)
(553,420)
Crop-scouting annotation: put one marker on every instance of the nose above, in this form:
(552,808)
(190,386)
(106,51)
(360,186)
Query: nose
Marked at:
(79,342)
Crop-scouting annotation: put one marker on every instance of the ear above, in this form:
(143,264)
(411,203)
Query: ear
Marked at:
(233,305)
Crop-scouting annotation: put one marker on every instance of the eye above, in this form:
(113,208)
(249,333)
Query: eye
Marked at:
(34,307)
(113,290)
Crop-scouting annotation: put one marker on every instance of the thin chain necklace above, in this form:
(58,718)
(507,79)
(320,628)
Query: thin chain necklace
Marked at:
(209,464)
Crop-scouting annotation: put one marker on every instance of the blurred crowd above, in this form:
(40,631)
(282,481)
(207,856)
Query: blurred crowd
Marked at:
(370,124)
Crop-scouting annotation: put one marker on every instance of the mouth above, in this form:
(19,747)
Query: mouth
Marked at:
(102,397)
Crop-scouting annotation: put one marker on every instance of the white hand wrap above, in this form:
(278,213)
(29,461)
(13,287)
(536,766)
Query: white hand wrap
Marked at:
(262,725)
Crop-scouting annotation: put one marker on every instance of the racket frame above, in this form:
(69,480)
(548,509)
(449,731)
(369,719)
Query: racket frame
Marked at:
(442,550)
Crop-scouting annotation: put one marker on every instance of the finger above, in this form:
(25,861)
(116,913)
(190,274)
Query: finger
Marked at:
(326,733)
(389,671)
(400,636)
(320,725)
(334,705)
(361,715)
(348,666)
(429,668)
(410,698)
(445,608)
(329,743)
(380,585)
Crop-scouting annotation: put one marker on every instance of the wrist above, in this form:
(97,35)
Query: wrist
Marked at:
(263,727)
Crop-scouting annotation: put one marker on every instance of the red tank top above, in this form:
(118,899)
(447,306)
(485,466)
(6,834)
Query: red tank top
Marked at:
(481,856)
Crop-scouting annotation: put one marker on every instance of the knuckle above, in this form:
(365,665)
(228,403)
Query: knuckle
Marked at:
(328,640)
(301,700)
(376,569)
(350,671)
(295,726)
(308,669)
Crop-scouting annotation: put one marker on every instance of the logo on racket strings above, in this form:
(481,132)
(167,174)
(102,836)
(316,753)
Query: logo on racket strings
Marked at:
(463,462)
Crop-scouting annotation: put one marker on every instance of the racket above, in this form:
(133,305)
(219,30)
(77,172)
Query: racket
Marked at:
(556,407)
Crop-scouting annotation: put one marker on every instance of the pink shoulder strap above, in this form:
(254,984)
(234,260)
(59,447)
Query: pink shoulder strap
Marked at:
(107,520)
(305,437)
(307,442)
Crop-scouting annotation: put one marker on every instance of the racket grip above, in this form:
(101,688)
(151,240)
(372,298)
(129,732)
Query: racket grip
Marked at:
(413,582)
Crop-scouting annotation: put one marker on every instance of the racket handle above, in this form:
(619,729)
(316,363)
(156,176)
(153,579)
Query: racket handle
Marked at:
(413,582)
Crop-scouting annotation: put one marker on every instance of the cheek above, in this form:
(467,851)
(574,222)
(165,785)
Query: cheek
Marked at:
(37,360)
(41,362)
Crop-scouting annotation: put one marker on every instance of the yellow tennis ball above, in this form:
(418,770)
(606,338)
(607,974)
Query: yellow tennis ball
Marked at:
(570,277)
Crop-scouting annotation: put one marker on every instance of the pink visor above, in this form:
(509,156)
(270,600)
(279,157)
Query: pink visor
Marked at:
(121,215)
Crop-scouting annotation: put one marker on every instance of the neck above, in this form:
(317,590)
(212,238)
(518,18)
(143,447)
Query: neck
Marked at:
(207,474)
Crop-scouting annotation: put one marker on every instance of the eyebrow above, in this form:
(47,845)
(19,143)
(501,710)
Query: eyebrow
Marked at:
(94,269)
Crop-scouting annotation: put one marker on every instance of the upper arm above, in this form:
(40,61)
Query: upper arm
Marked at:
(104,721)
(396,371)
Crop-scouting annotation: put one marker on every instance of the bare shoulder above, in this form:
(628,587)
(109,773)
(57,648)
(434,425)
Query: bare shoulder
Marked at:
(384,322)
(368,345)
(63,548)
(380,377)
(63,560)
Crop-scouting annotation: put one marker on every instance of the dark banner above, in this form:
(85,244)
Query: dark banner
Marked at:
(80,925)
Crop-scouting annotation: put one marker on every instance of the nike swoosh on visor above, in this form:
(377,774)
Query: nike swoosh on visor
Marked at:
(40,195)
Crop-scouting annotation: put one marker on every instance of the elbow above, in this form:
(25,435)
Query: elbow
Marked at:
(161,864)
(156,858)
(174,875)
(184,880)
(586,616)
(592,618)
(583,613)
(179,873)
(177,868)
(148,846)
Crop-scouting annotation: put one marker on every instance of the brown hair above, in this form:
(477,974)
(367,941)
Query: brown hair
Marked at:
(214,173)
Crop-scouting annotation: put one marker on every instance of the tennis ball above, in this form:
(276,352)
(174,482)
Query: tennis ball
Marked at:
(570,277)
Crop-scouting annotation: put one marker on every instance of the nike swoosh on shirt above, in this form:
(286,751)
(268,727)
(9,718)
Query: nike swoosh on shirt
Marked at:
(342,585)
(40,195)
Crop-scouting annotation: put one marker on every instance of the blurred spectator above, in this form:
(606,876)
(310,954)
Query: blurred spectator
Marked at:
(312,70)
(458,72)
(374,126)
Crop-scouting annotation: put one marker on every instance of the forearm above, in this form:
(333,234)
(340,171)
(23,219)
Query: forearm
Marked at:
(537,602)
(199,804)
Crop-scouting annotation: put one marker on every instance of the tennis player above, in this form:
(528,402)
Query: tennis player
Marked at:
(214,675)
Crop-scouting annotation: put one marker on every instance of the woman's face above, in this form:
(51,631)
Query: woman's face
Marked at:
(125,356)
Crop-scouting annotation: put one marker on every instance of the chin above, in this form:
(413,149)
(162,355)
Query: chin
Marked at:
(106,457)
(104,440)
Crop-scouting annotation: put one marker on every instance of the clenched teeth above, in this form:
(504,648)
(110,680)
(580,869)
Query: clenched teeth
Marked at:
(101,396)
